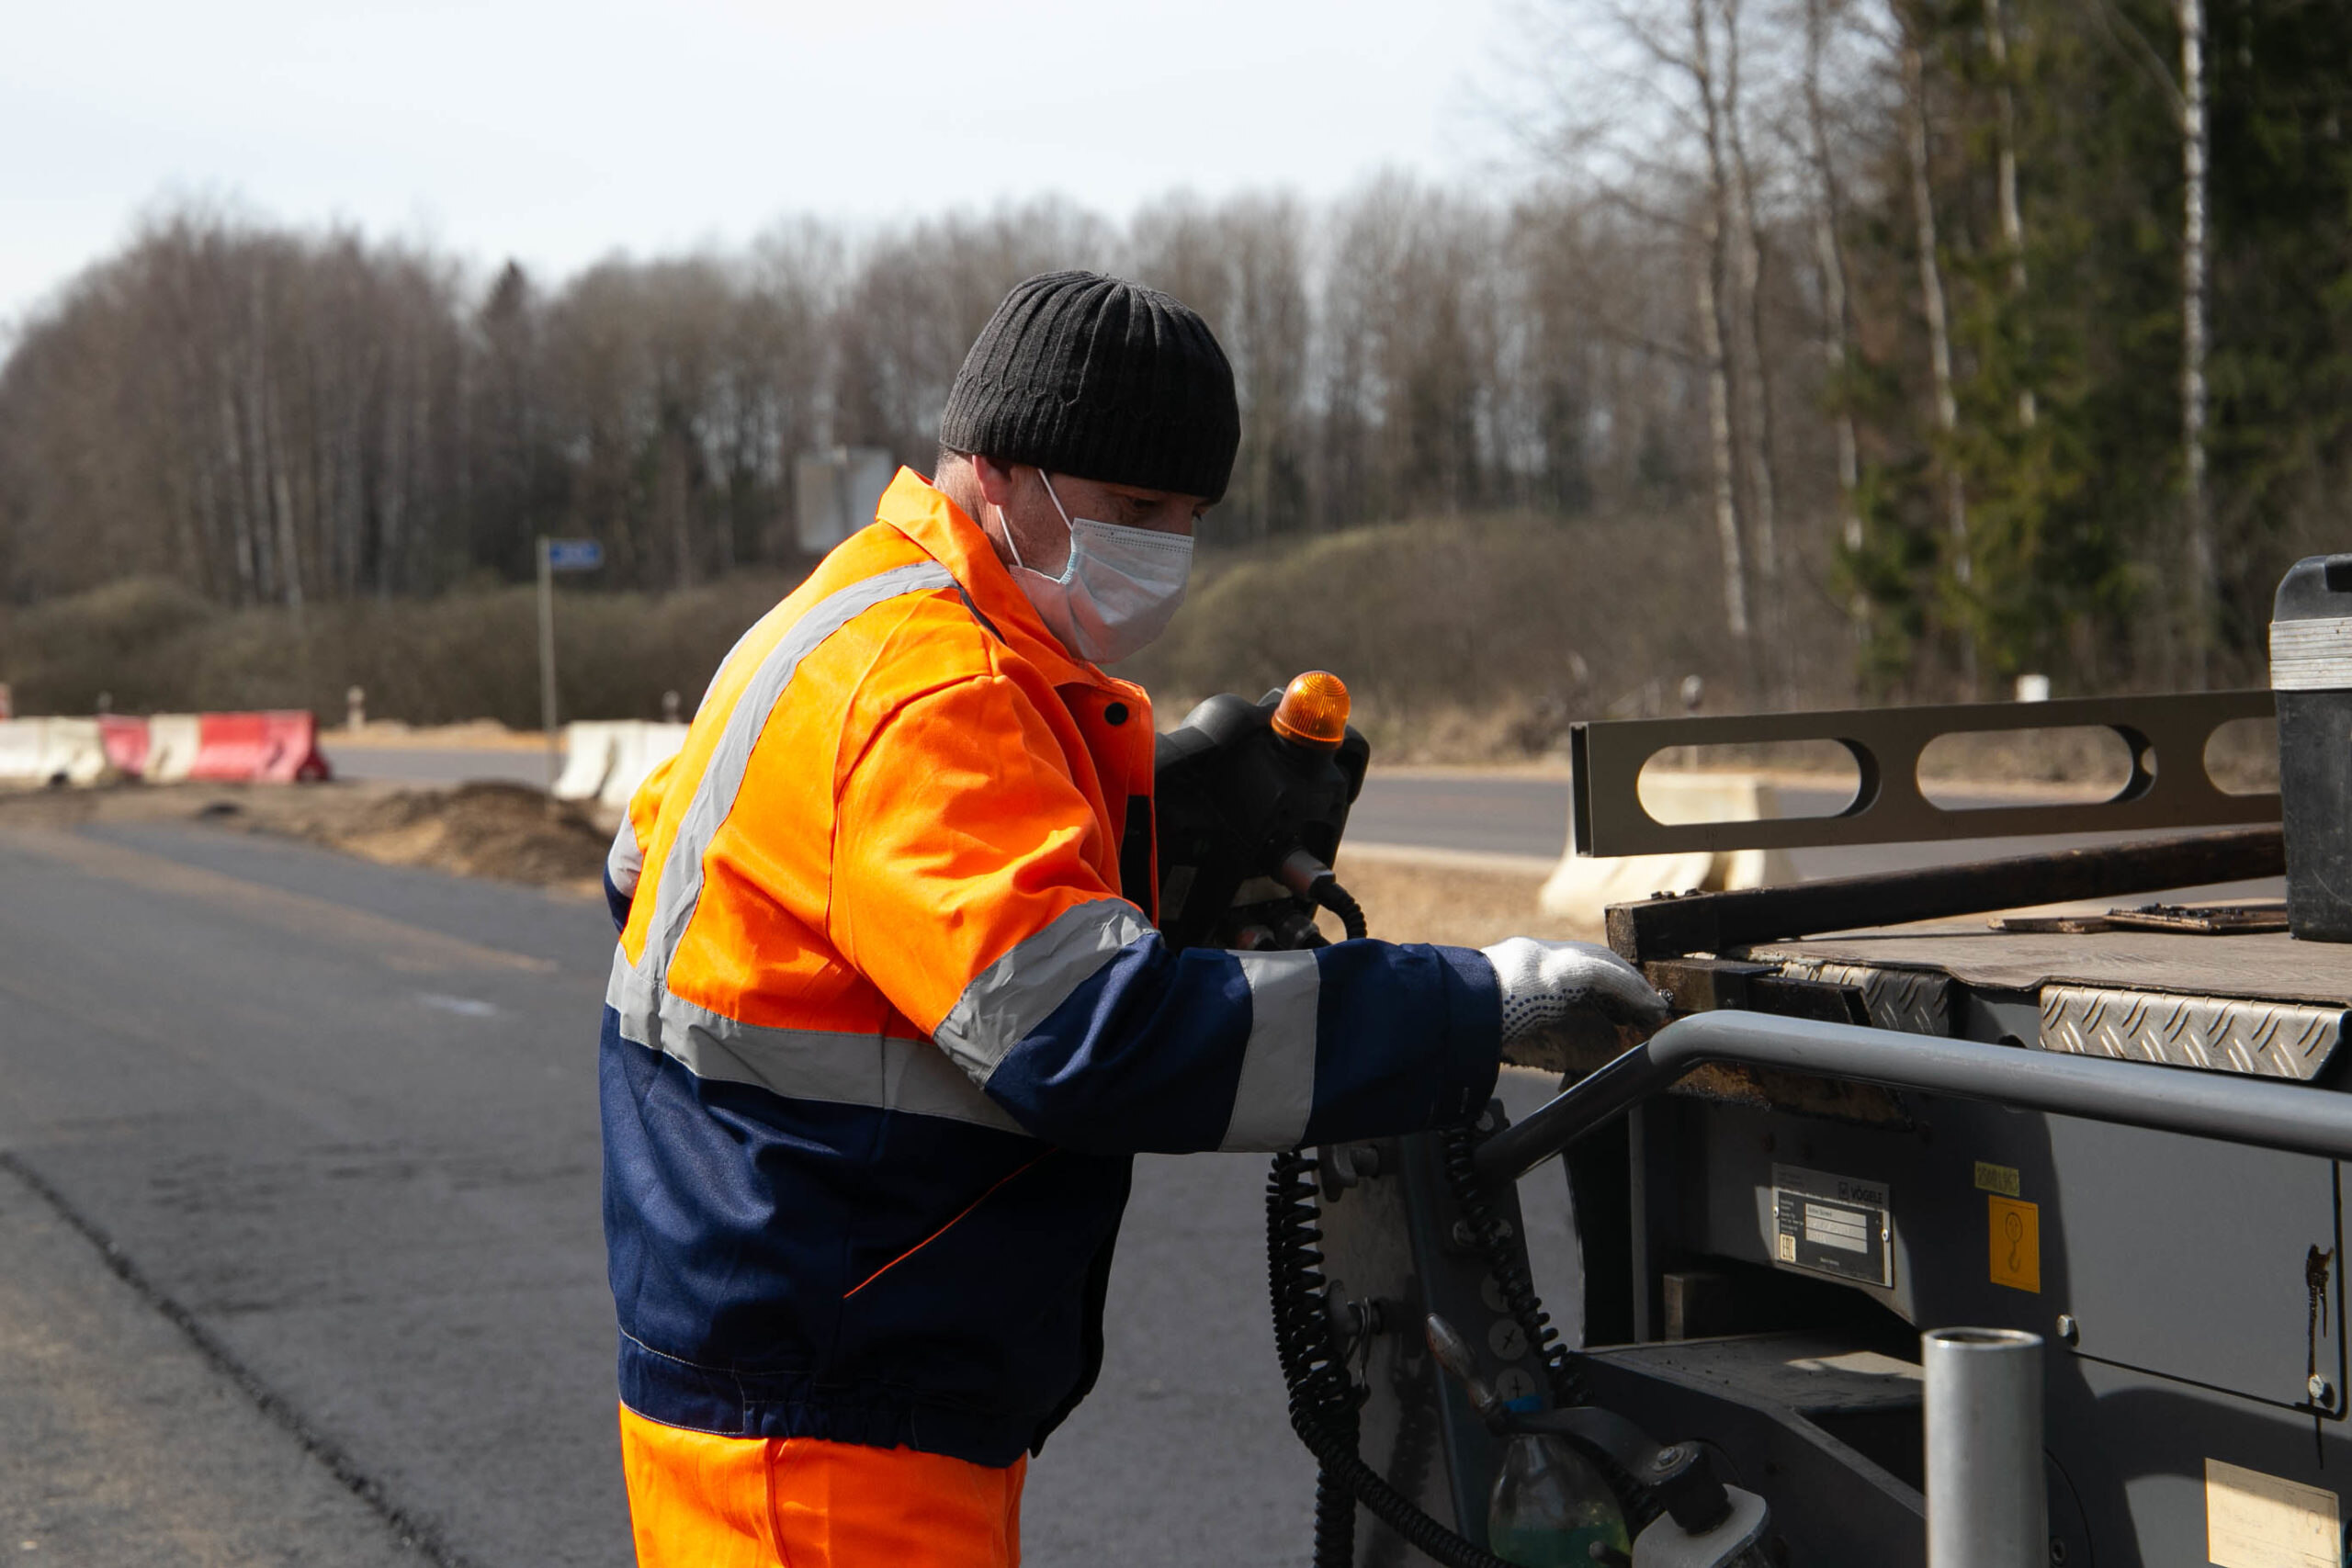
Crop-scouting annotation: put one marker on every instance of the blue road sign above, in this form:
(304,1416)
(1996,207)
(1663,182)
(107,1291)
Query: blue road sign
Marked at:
(574,555)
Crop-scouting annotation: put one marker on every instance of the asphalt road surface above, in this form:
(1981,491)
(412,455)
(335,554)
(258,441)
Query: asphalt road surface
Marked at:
(299,1257)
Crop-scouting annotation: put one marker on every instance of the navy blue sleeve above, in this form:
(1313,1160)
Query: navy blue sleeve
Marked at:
(1172,1052)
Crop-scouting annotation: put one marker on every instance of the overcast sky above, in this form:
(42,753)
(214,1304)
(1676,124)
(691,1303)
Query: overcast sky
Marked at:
(558,133)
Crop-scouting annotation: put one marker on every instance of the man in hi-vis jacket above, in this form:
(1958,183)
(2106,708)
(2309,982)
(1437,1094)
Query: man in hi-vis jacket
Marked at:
(889,1017)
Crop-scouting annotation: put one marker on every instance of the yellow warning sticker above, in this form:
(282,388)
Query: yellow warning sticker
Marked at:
(2001,1178)
(2253,1520)
(2016,1243)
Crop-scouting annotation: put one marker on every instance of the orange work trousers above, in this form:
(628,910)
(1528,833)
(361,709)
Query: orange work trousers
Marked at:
(700,1501)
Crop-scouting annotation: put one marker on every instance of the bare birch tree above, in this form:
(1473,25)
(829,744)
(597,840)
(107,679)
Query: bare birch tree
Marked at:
(1714,274)
(1934,308)
(1756,419)
(1837,310)
(2196,507)
(2004,171)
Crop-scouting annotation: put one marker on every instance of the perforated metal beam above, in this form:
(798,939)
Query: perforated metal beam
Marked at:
(2168,787)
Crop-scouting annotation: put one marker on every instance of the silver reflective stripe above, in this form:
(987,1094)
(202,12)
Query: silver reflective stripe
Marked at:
(2311,655)
(1016,993)
(715,792)
(625,860)
(837,1069)
(1277,1089)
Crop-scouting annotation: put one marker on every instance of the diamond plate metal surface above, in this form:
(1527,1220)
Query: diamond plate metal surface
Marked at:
(2278,1040)
(1916,1001)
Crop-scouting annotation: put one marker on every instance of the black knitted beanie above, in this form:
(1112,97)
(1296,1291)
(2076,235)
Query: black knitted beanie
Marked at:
(1100,379)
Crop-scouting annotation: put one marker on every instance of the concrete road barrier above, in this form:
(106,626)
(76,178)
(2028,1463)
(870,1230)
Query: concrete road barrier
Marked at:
(1583,887)
(587,757)
(605,761)
(642,748)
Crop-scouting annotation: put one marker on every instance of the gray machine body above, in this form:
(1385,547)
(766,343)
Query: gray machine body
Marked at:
(2120,1132)
(1763,1286)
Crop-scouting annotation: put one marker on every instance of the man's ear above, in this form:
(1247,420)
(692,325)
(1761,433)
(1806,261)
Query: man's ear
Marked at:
(996,479)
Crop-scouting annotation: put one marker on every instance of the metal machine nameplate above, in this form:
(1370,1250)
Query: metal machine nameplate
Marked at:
(1832,1224)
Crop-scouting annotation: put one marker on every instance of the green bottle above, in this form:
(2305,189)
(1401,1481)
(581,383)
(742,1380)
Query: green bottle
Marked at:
(1550,1507)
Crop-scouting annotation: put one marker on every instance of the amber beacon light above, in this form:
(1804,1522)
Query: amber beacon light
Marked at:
(1313,710)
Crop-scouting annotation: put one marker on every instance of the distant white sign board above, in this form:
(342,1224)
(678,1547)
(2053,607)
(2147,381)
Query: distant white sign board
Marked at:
(835,493)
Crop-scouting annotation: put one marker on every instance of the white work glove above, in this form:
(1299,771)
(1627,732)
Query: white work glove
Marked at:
(1544,982)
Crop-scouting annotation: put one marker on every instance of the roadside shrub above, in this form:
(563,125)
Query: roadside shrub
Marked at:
(152,646)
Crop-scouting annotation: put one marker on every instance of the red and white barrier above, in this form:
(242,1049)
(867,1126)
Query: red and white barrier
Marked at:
(125,740)
(49,752)
(228,747)
(172,742)
(258,747)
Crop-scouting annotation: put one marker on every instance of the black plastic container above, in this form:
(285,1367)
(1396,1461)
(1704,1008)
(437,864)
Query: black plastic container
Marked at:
(2311,671)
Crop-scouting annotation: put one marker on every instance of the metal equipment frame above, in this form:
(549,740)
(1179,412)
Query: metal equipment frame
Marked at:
(2260,1113)
(2168,785)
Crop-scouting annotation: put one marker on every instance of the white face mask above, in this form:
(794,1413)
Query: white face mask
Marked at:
(1118,591)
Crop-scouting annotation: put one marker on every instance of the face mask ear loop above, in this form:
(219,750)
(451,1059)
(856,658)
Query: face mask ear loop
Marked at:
(1010,542)
(1070,527)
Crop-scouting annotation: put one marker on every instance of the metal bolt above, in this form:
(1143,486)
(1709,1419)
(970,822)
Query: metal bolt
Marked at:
(2321,1391)
(2068,1330)
(1514,1382)
(1507,1339)
(2057,1552)
(1668,1458)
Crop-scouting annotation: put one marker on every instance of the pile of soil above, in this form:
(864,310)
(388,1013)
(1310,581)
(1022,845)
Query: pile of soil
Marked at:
(505,830)
(509,832)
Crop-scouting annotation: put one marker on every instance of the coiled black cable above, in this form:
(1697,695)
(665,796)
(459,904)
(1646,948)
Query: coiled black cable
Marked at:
(1324,1406)
(1342,903)
(1408,1455)
(1491,1233)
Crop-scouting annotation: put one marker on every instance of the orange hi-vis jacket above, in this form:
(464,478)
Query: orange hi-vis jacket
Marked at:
(888,1016)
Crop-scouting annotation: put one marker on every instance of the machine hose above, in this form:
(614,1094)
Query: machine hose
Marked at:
(1506,1264)
(1323,1404)
(1323,1400)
